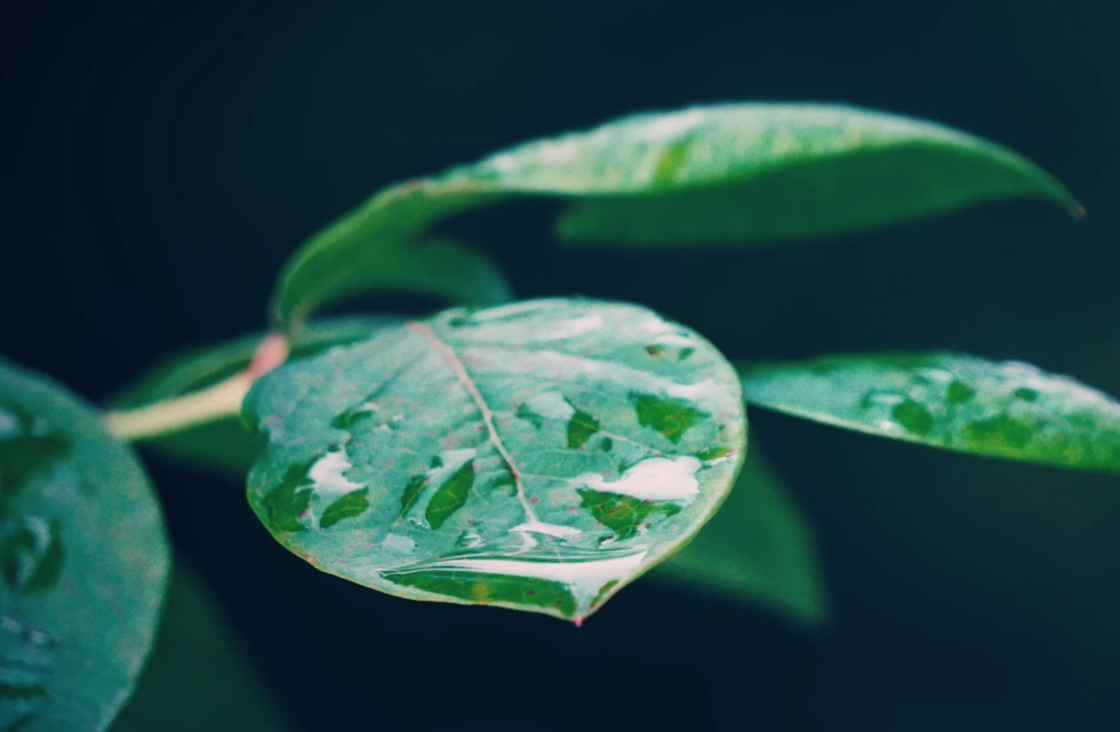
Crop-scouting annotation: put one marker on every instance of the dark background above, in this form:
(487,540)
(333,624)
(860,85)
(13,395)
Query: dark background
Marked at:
(160,162)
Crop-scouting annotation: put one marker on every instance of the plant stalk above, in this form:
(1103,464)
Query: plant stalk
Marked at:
(200,407)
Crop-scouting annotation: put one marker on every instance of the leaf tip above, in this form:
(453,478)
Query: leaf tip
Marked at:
(578,621)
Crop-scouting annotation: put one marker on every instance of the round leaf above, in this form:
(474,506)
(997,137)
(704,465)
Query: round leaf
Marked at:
(537,456)
(1011,410)
(84,561)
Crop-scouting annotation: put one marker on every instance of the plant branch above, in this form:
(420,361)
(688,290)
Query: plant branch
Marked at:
(200,407)
(175,415)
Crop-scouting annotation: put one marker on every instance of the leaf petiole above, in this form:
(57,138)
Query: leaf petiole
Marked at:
(200,407)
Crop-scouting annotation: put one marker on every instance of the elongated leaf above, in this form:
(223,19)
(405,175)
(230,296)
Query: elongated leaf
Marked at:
(1011,410)
(83,557)
(735,172)
(758,549)
(437,267)
(538,456)
(198,678)
(226,444)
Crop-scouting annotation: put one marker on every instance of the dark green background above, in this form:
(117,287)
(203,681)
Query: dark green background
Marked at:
(161,161)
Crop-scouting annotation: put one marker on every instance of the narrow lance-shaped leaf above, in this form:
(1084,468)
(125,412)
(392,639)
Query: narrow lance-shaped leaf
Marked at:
(1010,410)
(734,172)
(83,561)
(538,456)
(226,443)
(757,549)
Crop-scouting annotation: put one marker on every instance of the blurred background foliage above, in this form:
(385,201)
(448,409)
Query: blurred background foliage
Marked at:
(162,161)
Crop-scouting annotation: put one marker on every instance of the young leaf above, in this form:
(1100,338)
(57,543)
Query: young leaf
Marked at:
(84,561)
(757,549)
(538,456)
(1010,410)
(225,443)
(734,172)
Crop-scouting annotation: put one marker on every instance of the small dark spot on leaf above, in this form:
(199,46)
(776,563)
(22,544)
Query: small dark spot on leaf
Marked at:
(685,353)
(451,496)
(580,428)
(959,392)
(435,462)
(622,514)
(1001,432)
(913,417)
(351,505)
(412,492)
(1027,395)
(287,503)
(606,445)
(712,453)
(671,417)
(526,413)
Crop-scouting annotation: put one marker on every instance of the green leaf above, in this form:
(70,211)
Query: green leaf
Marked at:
(84,561)
(199,678)
(1010,410)
(439,459)
(437,267)
(226,444)
(733,172)
(758,549)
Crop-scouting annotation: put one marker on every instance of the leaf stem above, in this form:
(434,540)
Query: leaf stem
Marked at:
(200,407)
(175,415)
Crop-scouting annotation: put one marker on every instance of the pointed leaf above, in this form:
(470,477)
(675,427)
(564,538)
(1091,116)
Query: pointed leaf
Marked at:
(757,549)
(475,486)
(226,444)
(84,560)
(733,172)
(962,403)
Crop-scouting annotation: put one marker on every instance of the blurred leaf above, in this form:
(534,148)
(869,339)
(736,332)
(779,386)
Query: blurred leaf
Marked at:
(538,456)
(962,403)
(758,549)
(226,444)
(198,677)
(736,172)
(437,267)
(84,561)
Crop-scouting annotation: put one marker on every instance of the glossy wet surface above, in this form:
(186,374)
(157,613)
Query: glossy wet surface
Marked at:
(538,455)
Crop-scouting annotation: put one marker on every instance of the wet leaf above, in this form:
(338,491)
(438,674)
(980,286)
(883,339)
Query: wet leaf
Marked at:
(199,677)
(498,456)
(83,561)
(734,172)
(226,444)
(758,549)
(1011,410)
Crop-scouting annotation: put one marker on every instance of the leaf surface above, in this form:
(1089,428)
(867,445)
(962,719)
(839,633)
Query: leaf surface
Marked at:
(84,561)
(732,172)
(758,549)
(1011,410)
(538,456)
